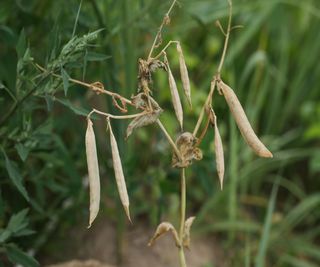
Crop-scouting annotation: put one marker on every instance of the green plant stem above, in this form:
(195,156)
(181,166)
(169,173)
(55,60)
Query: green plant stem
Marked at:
(182,217)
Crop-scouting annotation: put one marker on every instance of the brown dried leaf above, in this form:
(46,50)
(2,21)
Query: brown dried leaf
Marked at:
(143,121)
(117,166)
(175,95)
(242,121)
(93,172)
(163,228)
(186,232)
(184,74)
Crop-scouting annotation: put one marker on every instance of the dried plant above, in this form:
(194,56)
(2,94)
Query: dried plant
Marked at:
(186,147)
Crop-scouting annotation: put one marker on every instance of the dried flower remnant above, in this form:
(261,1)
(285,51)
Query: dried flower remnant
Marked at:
(242,121)
(175,95)
(187,145)
(118,172)
(184,74)
(93,171)
(162,229)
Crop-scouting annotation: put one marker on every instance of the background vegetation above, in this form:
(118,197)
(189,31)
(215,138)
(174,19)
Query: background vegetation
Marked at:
(268,213)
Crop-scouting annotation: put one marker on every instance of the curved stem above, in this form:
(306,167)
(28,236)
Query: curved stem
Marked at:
(182,217)
(176,150)
(118,117)
(226,41)
(160,29)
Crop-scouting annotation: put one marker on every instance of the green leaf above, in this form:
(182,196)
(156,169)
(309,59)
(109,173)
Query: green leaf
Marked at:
(65,79)
(93,56)
(21,44)
(18,221)
(4,235)
(22,151)
(16,177)
(17,256)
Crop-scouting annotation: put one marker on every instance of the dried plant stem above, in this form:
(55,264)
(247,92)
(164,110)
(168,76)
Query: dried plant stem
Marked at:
(118,117)
(208,101)
(176,150)
(217,75)
(90,86)
(165,48)
(226,40)
(182,217)
(160,29)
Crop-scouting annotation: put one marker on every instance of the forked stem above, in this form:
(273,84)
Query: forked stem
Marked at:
(164,20)
(183,189)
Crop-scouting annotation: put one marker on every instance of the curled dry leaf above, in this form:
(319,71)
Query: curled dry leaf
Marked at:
(163,228)
(143,120)
(175,95)
(184,74)
(118,172)
(186,232)
(242,121)
(93,172)
(187,145)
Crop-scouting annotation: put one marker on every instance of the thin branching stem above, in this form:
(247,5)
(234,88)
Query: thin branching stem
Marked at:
(90,86)
(164,20)
(118,117)
(182,217)
(167,135)
(162,52)
(217,75)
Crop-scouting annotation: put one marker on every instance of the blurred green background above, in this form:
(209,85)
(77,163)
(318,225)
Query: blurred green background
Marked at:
(268,213)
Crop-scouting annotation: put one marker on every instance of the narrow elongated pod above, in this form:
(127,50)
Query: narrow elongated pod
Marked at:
(184,74)
(242,121)
(219,152)
(93,172)
(175,95)
(118,172)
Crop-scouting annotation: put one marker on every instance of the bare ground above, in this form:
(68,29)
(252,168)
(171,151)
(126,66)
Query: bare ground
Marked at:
(98,245)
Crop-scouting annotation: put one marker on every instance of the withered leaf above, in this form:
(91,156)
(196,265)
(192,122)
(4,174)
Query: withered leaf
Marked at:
(143,120)
(186,232)
(118,171)
(163,228)
(93,172)
(242,121)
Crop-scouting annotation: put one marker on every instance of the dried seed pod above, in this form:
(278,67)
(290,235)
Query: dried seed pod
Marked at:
(186,232)
(184,74)
(163,228)
(243,123)
(219,153)
(143,121)
(93,172)
(118,172)
(175,95)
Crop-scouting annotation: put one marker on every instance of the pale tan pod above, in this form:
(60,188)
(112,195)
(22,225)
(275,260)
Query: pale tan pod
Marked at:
(186,233)
(219,152)
(243,123)
(118,172)
(163,228)
(184,74)
(175,95)
(93,172)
